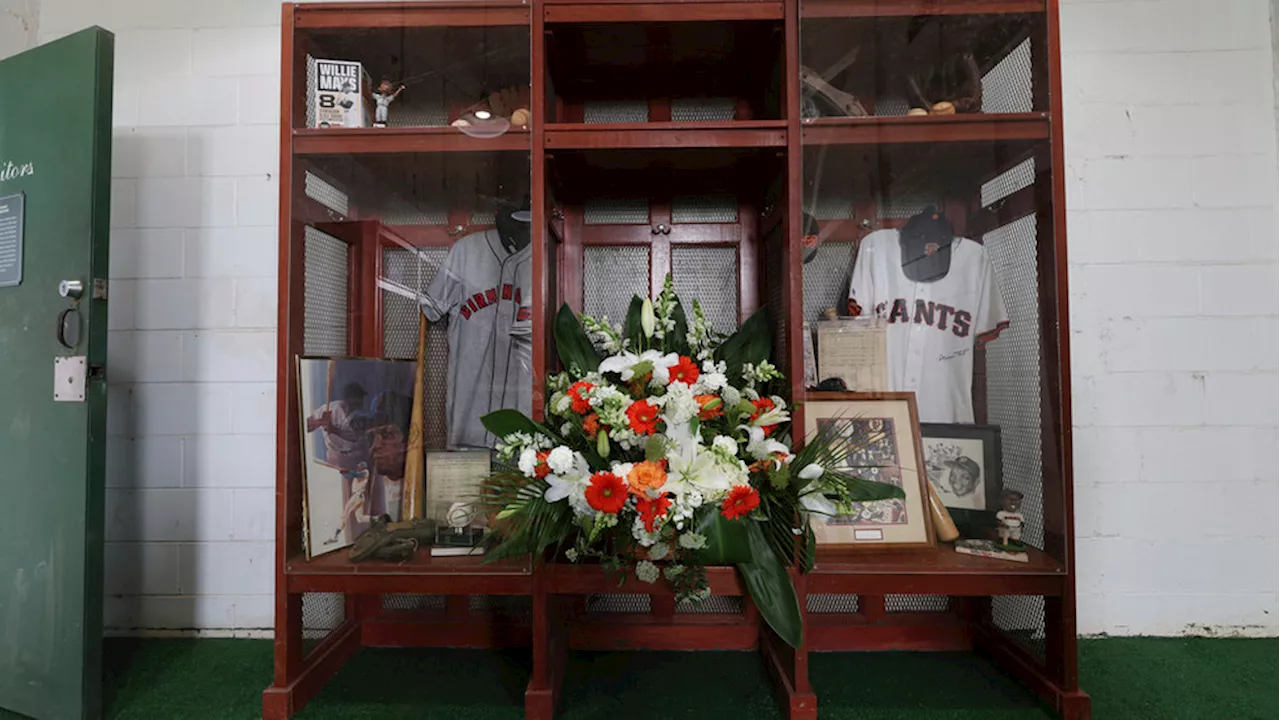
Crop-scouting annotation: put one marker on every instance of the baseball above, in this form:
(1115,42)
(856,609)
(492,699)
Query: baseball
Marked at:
(520,117)
(943,108)
(914,112)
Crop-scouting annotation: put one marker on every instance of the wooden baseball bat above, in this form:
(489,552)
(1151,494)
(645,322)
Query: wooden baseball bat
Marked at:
(943,526)
(414,487)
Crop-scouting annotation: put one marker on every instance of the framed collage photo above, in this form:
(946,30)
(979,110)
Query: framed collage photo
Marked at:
(355,422)
(883,433)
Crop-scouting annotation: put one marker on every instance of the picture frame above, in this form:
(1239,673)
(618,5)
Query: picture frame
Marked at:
(354,416)
(964,464)
(947,447)
(886,426)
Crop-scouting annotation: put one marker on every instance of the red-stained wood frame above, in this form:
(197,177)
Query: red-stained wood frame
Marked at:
(558,620)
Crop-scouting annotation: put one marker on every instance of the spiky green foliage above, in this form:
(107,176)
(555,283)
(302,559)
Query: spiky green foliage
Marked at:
(525,523)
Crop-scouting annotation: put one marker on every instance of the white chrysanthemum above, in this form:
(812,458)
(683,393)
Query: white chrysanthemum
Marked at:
(730,395)
(726,444)
(678,405)
(560,460)
(528,461)
(646,571)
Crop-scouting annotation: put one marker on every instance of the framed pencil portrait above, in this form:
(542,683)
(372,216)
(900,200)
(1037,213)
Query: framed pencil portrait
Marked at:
(882,431)
(963,463)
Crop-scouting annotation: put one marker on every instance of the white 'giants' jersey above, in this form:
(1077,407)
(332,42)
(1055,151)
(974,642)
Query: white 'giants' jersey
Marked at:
(933,326)
(485,292)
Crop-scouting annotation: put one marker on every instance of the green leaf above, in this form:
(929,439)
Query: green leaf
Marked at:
(655,448)
(771,589)
(677,341)
(506,421)
(631,330)
(726,539)
(751,344)
(858,490)
(572,344)
(780,477)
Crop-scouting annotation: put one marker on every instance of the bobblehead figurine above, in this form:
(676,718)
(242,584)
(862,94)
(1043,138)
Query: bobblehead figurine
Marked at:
(383,97)
(1010,520)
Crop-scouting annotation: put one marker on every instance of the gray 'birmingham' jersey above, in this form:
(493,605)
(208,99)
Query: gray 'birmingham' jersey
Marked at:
(484,290)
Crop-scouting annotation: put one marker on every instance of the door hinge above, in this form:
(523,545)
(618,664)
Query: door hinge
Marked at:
(100,289)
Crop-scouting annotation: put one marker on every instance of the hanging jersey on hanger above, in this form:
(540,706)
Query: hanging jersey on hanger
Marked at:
(933,327)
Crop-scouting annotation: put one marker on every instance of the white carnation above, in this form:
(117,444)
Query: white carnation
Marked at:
(678,404)
(725,443)
(730,395)
(560,460)
(528,461)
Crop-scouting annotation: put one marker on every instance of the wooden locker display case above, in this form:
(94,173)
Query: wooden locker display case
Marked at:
(680,138)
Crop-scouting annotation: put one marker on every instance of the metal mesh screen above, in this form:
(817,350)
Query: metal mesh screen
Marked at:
(774,295)
(1013,370)
(321,614)
(826,279)
(1007,88)
(409,215)
(714,605)
(832,208)
(1009,182)
(325,285)
(408,601)
(1021,617)
(703,109)
(615,111)
(616,211)
(482,214)
(400,330)
(694,268)
(704,209)
(311,91)
(326,193)
(893,205)
(824,603)
(618,603)
(916,603)
(611,276)
(892,105)
(417,116)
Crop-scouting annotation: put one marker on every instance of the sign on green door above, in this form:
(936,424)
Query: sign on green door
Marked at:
(55,182)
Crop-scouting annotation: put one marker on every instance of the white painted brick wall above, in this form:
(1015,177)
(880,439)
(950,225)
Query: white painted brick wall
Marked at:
(1171,152)
(1171,173)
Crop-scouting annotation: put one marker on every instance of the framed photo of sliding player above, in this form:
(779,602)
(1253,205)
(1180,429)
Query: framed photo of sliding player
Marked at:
(355,421)
(882,432)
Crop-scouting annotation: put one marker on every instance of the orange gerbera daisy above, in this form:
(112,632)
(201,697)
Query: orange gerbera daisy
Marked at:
(578,396)
(542,469)
(763,405)
(685,371)
(591,425)
(607,493)
(642,417)
(740,502)
(651,510)
(712,406)
(647,475)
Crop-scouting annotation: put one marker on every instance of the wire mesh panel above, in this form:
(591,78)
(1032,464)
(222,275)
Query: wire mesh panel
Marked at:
(1021,617)
(326,274)
(1009,182)
(916,603)
(421,115)
(618,603)
(775,289)
(615,111)
(414,271)
(611,276)
(831,208)
(1013,370)
(326,193)
(616,211)
(826,278)
(828,603)
(716,604)
(400,602)
(703,109)
(704,209)
(1009,86)
(694,268)
(321,614)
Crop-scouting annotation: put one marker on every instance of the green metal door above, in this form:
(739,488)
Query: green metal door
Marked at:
(55,184)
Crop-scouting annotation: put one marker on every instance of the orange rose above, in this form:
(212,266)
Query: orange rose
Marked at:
(644,476)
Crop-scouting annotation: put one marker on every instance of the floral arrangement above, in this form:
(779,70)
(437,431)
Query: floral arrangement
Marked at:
(665,450)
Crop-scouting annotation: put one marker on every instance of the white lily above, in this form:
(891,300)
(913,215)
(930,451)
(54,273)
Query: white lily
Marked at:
(763,448)
(776,416)
(690,466)
(625,364)
(811,497)
(559,488)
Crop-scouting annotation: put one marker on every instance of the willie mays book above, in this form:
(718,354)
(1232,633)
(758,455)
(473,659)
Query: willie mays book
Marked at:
(989,549)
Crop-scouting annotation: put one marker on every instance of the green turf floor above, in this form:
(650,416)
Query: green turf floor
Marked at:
(1127,678)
